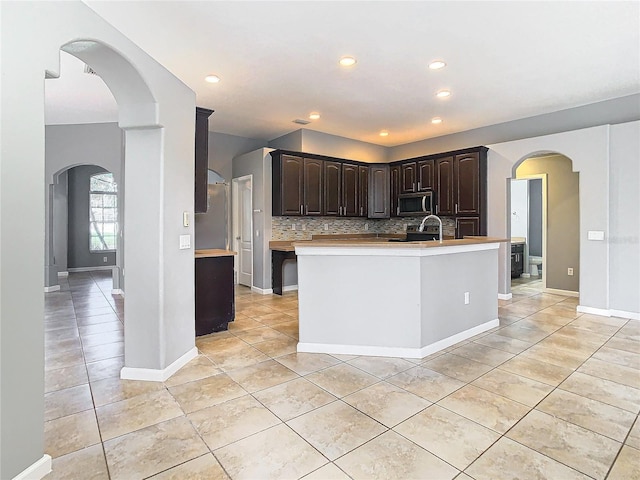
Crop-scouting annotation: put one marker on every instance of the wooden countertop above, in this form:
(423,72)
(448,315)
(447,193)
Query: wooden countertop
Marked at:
(287,245)
(214,252)
(381,241)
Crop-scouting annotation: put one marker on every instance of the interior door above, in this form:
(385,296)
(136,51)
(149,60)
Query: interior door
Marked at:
(243,241)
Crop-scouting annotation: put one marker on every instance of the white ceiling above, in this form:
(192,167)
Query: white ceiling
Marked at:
(278,61)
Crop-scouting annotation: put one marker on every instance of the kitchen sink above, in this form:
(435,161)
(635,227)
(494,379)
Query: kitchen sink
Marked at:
(416,237)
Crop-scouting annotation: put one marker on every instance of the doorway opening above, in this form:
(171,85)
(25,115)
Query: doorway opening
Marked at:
(242,205)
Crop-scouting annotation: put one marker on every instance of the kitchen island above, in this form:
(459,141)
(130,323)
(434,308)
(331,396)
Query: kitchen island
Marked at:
(214,290)
(395,299)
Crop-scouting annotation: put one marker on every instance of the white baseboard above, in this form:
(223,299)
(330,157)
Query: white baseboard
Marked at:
(566,293)
(624,314)
(381,351)
(63,274)
(262,291)
(290,288)
(593,311)
(91,269)
(526,275)
(505,296)
(117,291)
(37,470)
(52,288)
(153,375)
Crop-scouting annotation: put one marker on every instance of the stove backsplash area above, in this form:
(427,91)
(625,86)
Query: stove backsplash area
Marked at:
(302,228)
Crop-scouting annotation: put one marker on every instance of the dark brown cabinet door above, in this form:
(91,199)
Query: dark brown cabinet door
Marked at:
(408,176)
(332,187)
(313,194)
(425,175)
(350,190)
(444,186)
(363,190)
(378,204)
(467,226)
(201,159)
(467,178)
(394,189)
(214,298)
(292,185)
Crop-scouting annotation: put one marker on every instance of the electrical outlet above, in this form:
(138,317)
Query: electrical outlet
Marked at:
(104,259)
(466,298)
(366,226)
(304,227)
(293,227)
(326,227)
(570,271)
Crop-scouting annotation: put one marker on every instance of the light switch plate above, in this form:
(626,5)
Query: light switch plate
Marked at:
(185,242)
(185,219)
(595,235)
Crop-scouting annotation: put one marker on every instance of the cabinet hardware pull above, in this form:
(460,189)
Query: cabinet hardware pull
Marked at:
(301,210)
(436,209)
(419,186)
(360,211)
(398,210)
(456,208)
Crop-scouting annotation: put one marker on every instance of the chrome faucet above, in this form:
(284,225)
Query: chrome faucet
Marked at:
(424,220)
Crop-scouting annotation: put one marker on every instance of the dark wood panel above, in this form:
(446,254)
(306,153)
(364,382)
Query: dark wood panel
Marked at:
(425,175)
(379,188)
(467,189)
(201,165)
(350,190)
(363,190)
(467,226)
(292,185)
(408,175)
(214,297)
(332,187)
(444,186)
(394,189)
(313,186)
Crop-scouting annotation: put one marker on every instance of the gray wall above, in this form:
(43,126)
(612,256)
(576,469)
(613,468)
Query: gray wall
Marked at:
(224,148)
(563,218)
(535,218)
(624,220)
(60,222)
(342,147)
(78,253)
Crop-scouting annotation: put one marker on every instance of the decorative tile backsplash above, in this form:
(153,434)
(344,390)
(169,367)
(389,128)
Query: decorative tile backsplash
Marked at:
(305,227)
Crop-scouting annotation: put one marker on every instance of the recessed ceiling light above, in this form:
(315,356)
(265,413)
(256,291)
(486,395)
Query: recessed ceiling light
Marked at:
(314,116)
(436,120)
(347,61)
(437,65)
(384,133)
(212,78)
(443,94)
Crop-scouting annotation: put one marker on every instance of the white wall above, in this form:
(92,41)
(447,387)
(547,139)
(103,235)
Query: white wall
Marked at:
(519,208)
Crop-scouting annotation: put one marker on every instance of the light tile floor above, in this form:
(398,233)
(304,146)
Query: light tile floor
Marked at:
(550,394)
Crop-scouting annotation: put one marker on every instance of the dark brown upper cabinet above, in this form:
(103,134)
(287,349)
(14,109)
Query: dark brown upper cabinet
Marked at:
(416,176)
(332,188)
(467,187)
(363,190)
(425,169)
(378,191)
(201,165)
(313,186)
(408,175)
(394,189)
(288,191)
(444,186)
(350,194)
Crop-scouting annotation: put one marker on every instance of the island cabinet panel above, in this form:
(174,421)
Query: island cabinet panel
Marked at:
(214,300)
(350,190)
(313,186)
(467,187)
(363,190)
(408,175)
(467,226)
(425,170)
(394,189)
(332,188)
(201,165)
(444,185)
(378,191)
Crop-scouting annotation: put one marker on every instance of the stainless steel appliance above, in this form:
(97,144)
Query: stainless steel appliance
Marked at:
(415,204)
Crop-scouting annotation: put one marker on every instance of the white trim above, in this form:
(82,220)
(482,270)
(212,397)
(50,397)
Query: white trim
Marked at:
(289,288)
(117,291)
(526,275)
(52,288)
(36,470)
(505,296)
(593,311)
(567,293)
(154,375)
(63,274)
(403,352)
(262,291)
(91,269)
(624,314)
(425,250)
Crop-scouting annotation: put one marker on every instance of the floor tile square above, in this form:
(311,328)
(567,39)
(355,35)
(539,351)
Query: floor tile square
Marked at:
(457,367)
(341,380)
(262,375)
(626,465)
(66,402)
(87,464)
(536,370)
(68,434)
(305,363)
(521,389)
(381,367)
(426,383)
(327,472)
(196,369)
(206,392)
(611,371)
(65,377)
(483,354)
(114,389)
(205,467)
(292,399)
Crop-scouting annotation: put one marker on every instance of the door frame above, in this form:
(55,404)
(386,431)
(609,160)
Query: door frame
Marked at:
(235,224)
(543,177)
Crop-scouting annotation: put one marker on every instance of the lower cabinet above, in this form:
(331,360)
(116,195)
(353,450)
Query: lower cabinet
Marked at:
(517,260)
(215,306)
(467,226)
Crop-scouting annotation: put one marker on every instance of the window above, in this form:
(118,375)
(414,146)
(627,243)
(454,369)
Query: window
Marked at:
(103,212)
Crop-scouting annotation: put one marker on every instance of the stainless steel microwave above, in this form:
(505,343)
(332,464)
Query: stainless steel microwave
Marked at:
(415,204)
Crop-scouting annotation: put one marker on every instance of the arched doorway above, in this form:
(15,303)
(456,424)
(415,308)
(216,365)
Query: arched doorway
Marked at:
(552,199)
